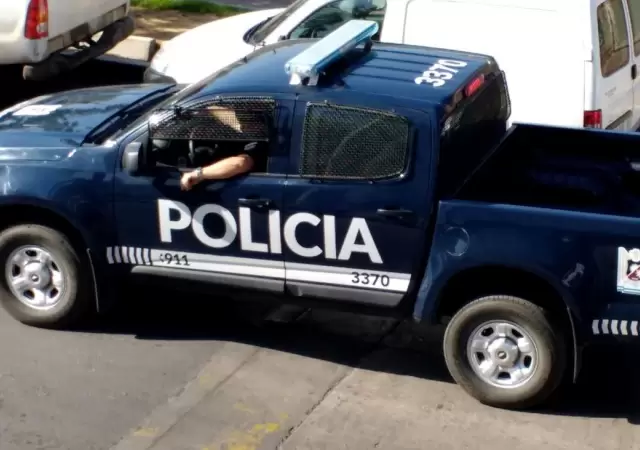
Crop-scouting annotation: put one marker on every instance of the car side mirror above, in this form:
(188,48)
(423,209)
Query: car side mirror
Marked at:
(131,157)
(282,38)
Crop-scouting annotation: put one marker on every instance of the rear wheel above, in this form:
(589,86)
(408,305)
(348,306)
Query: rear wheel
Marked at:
(43,281)
(505,352)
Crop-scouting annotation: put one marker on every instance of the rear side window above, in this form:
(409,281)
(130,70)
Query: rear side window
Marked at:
(634,12)
(472,130)
(346,143)
(612,36)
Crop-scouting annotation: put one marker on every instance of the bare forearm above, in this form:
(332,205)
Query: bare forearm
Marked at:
(227,168)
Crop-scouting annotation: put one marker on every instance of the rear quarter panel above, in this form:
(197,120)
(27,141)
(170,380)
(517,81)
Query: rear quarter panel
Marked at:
(576,253)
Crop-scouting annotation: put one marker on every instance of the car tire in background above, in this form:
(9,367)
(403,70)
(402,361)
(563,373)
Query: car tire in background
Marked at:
(505,352)
(43,280)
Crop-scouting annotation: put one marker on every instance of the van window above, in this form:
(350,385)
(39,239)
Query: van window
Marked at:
(613,37)
(634,12)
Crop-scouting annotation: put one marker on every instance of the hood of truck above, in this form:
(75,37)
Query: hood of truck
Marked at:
(64,119)
(199,52)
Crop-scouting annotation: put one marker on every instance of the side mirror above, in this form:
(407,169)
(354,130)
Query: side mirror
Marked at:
(131,157)
(282,38)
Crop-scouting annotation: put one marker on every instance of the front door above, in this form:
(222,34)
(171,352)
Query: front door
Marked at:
(358,208)
(220,232)
(614,62)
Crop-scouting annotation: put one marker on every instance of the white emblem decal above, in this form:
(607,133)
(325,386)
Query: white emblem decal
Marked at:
(628,271)
(358,238)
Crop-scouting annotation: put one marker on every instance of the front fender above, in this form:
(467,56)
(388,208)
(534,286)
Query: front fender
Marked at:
(82,199)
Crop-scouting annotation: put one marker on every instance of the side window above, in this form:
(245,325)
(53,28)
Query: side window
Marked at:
(345,143)
(212,130)
(613,37)
(329,17)
(634,12)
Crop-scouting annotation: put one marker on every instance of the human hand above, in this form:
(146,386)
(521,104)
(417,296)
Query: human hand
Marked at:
(188,180)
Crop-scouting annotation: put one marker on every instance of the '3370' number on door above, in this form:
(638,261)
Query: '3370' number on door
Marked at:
(439,73)
(370,279)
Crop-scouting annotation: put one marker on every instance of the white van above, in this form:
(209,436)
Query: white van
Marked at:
(567,62)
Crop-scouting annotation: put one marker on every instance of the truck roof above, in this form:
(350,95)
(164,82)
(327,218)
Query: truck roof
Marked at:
(386,70)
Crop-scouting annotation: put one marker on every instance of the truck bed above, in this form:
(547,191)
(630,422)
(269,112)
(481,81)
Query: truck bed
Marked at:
(575,169)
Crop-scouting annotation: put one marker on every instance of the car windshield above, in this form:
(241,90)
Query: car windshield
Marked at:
(264,30)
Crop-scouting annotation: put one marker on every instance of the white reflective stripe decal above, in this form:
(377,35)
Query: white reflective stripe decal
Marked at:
(218,264)
(310,273)
(614,327)
(125,255)
(139,256)
(345,276)
(110,255)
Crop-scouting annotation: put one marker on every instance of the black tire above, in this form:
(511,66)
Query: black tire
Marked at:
(550,344)
(76,299)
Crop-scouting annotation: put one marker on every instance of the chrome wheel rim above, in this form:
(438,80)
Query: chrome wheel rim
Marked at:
(34,277)
(502,354)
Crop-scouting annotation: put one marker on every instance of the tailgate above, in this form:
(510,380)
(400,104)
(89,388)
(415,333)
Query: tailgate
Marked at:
(67,15)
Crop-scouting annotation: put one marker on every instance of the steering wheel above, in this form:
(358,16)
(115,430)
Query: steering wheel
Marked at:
(194,151)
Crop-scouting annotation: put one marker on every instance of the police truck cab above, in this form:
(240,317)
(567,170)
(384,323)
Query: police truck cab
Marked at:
(384,178)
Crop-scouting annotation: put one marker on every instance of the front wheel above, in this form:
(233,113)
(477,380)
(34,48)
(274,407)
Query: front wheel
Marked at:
(505,352)
(43,281)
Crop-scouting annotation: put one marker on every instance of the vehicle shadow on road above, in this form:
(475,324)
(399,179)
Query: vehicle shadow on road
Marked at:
(607,386)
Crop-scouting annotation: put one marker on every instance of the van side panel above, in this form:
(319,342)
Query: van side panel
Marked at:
(538,44)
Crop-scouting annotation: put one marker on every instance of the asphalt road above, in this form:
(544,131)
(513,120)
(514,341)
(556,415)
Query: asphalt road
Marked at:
(169,371)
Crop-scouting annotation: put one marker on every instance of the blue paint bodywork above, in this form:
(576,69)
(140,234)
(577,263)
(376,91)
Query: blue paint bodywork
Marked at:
(69,163)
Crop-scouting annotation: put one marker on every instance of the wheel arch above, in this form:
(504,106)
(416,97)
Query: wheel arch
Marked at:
(471,283)
(22,213)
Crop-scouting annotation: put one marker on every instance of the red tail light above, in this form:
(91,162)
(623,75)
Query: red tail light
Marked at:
(593,119)
(472,87)
(37,26)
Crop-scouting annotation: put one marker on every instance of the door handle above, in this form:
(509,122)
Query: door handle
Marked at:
(254,202)
(634,71)
(398,212)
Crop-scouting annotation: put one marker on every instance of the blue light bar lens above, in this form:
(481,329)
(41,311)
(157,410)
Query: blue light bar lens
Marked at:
(312,61)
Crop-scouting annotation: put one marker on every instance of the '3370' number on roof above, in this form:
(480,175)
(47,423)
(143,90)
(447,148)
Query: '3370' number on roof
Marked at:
(438,74)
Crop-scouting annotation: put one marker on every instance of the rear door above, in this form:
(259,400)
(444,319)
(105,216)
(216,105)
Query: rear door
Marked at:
(613,64)
(358,208)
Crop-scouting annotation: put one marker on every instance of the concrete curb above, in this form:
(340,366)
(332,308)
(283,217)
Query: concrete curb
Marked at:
(135,48)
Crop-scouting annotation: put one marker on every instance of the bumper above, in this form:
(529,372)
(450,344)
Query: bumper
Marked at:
(153,76)
(59,62)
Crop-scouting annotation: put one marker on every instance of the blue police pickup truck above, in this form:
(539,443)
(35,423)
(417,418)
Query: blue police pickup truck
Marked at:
(385,179)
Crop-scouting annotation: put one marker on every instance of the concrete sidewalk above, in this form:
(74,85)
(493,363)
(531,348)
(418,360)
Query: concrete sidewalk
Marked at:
(376,384)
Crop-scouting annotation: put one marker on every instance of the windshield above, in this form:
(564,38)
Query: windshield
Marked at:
(264,30)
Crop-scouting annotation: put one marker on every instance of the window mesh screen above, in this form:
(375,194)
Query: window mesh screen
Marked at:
(223,119)
(341,142)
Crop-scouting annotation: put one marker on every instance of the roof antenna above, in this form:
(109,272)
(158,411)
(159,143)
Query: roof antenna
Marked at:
(306,67)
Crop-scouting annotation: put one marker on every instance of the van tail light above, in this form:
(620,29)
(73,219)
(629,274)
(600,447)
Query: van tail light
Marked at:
(472,87)
(593,119)
(37,26)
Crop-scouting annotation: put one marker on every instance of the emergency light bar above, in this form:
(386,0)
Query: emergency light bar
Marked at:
(309,64)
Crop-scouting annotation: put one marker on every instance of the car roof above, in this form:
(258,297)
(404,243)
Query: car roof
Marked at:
(387,70)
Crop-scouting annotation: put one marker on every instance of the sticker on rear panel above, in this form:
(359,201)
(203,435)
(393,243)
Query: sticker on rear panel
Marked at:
(36,110)
(628,271)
